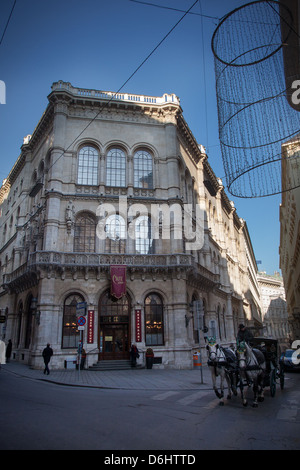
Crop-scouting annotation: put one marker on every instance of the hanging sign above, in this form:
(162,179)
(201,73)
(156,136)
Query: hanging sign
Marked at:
(118,281)
(138,325)
(90,327)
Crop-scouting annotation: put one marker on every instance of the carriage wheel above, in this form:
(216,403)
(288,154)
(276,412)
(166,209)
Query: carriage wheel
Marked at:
(273,382)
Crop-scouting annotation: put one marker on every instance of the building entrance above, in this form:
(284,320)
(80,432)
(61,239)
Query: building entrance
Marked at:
(113,338)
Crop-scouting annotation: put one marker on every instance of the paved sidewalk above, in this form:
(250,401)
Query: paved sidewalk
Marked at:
(135,379)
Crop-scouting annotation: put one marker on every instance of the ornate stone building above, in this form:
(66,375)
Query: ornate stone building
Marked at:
(290,233)
(118,181)
(274,308)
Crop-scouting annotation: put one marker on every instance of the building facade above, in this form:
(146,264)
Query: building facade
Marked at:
(118,182)
(290,233)
(274,309)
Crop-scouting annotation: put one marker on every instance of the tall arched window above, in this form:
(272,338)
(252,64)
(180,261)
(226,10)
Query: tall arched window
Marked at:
(143,170)
(88,158)
(116,168)
(143,239)
(70,333)
(85,234)
(154,324)
(115,230)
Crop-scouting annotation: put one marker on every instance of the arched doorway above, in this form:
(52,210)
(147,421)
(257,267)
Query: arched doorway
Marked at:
(114,327)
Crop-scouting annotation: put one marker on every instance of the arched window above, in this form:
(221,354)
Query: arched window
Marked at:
(143,170)
(143,239)
(88,158)
(85,234)
(116,168)
(153,309)
(115,230)
(70,333)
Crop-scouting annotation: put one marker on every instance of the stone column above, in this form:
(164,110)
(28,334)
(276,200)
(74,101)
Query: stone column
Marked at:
(172,161)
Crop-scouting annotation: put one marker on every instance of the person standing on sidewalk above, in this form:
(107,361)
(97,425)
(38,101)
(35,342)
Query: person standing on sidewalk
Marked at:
(47,354)
(8,350)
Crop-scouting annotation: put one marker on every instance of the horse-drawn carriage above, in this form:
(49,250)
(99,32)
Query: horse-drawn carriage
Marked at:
(274,369)
(257,365)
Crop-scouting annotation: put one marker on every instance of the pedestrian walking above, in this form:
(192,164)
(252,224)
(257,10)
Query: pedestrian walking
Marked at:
(8,350)
(47,354)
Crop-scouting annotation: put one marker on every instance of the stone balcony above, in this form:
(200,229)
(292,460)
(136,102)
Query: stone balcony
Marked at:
(88,265)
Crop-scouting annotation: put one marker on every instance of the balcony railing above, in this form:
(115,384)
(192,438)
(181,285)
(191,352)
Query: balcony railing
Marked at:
(110,95)
(58,261)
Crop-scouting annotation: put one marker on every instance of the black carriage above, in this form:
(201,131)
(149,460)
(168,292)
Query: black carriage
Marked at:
(274,369)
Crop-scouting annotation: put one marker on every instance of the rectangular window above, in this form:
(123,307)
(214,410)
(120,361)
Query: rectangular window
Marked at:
(116,168)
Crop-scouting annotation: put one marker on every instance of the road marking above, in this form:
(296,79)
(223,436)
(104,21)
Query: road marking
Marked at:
(163,396)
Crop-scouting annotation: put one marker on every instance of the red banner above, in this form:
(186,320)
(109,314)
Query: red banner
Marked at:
(90,329)
(138,325)
(118,281)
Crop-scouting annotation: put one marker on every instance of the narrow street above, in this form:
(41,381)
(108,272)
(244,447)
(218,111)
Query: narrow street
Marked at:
(38,415)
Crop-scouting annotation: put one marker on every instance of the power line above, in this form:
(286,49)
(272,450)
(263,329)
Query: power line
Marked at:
(10,15)
(173,9)
(126,81)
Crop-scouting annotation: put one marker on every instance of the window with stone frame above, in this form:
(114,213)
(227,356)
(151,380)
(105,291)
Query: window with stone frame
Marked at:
(143,170)
(70,333)
(88,160)
(116,168)
(143,236)
(85,233)
(115,229)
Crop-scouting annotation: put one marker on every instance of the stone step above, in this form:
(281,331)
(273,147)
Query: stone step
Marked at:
(112,365)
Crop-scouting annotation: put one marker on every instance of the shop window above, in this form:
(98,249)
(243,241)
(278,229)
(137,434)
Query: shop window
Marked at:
(153,309)
(70,333)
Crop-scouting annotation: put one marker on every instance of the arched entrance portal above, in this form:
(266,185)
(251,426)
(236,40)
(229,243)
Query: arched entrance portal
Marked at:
(114,327)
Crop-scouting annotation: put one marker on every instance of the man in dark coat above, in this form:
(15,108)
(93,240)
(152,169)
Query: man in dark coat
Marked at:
(8,350)
(47,354)
(244,335)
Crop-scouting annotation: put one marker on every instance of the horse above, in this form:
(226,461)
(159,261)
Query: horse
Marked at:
(252,368)
(217,363)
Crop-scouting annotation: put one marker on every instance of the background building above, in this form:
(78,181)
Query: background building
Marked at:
(119,180)
(274,308)
(290,235)
(290,202)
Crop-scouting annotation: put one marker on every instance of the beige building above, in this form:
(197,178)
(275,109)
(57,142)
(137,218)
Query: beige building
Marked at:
(290,234)
(274,308)
(113,191)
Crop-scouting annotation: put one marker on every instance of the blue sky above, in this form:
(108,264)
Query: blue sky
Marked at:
(98,44)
